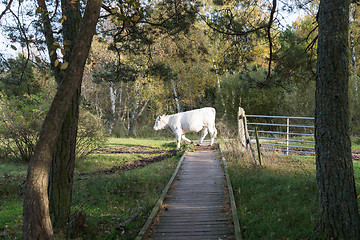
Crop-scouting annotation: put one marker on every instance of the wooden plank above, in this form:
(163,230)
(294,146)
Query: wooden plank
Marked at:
(201,236)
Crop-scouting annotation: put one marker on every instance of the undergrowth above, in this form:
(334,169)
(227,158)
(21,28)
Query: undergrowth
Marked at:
(275,201)
(102,201)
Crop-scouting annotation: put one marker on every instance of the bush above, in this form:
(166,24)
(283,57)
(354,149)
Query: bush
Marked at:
(20,122)
(91,134)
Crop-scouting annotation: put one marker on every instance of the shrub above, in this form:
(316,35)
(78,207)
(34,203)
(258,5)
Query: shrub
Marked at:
(20,122)
(21,119)
(91,134)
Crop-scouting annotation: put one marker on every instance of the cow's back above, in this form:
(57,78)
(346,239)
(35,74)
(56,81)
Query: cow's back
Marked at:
(195,120)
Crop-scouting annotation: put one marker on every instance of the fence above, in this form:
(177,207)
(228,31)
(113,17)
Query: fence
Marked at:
(296,138)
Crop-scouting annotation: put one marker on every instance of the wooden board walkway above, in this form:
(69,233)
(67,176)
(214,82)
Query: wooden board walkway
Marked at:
(197,205)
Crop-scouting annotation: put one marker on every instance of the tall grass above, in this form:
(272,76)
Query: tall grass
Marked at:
(277,200)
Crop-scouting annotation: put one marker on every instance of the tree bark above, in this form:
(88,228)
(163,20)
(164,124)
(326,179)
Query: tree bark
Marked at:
(62,166)
(63,161)
(36,221)
(175,96)
(338,208)
(113,107)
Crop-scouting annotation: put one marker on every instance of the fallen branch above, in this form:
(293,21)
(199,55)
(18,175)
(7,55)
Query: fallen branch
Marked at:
(122,225)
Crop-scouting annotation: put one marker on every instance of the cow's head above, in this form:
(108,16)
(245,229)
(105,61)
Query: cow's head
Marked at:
(160,123)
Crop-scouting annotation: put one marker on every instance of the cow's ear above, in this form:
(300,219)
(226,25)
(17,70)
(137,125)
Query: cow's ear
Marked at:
(159,117)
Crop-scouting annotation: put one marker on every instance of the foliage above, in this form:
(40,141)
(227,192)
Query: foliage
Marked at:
(91,134)
(296,57)
(24,101)
(236,32)
(21,120)
(240,89)
(18,78)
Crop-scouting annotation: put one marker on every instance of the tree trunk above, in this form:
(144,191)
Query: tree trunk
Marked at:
(175,96)
(338,208)
(113,107)
(63,162)
(119,112)
(36,222)
(133,118)
(62,167)
(219,88)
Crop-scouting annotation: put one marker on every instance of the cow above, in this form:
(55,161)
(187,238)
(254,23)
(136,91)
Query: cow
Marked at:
(197,120)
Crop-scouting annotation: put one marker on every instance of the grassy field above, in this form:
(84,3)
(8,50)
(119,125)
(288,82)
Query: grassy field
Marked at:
(277,200)
(102,199)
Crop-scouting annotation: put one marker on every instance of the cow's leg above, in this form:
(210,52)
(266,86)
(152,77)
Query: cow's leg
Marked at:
(186,139)
(178,135)
(204,132)
(213,133)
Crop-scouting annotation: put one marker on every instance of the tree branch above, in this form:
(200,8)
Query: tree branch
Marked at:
(22,31)
(271,20)
(6,9)
(233,33)
(49,36)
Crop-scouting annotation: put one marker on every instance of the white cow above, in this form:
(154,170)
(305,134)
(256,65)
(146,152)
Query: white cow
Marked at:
(202,119)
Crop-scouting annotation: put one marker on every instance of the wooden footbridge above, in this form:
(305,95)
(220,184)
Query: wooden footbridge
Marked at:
(197,203)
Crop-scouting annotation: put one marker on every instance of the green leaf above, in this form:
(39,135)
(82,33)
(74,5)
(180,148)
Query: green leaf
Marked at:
(13,47)
(63,19)
(67,43)
(64,65)
(38,10)
(136,18)
(114,10)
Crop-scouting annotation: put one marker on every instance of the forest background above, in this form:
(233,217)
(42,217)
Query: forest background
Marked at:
(135,75)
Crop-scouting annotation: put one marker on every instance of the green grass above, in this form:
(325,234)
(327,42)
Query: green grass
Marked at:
(12,176)
(138,142)
(105,199)
(277,200)
(96,162)
(109,199)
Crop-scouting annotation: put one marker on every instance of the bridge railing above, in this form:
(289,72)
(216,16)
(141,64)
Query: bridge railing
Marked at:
(283,134)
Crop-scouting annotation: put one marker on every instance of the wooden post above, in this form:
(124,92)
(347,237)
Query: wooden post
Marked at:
(247,136)
(241,127)
(258,145)
(243,132)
